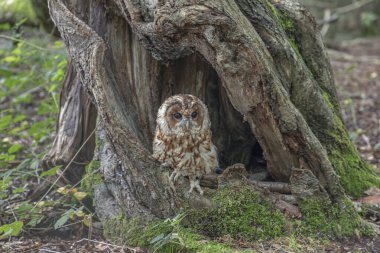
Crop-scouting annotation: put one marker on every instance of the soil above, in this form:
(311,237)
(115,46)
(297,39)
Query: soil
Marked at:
(356,66)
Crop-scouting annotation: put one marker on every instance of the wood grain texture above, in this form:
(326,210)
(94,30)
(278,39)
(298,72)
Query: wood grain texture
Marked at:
(260,81)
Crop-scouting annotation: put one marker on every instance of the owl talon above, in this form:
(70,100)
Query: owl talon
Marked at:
(165,166)
(173,177)
(194,184)
(218,170)
(172,187)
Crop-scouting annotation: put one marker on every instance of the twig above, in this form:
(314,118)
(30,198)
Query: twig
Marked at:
(287,198)
(327,18)
(272,186)
(337,55)
(108,244)
(48,250)
(355,5)
(99,242)
(23,41)
(333,15)
(64,170)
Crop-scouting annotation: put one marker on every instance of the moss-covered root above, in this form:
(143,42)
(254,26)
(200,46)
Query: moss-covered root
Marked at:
(355,174)
(326,220)
(241,213)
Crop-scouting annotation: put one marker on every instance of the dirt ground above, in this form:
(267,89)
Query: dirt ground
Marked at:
(356,66)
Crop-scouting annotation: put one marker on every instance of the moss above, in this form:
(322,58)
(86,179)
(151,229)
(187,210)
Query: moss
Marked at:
(161,236)
(92,176)
(287,24)
(272,8)
(331,102)
(323,220)
(121,230)
(326,97)
(241,213)
(356,175)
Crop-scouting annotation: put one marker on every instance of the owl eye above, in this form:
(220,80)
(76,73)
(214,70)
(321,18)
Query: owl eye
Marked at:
(194,115)
(177,115)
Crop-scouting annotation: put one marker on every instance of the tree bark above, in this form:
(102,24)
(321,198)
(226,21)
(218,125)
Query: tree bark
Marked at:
(261,69)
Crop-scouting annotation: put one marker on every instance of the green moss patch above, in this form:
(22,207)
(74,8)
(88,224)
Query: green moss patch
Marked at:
(326,220)
(241,217)
(92,176)
(287,24)
(241,213)
(161,236)
(356,175)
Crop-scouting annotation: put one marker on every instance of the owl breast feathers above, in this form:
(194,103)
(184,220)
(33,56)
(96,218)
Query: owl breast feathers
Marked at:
(183,139)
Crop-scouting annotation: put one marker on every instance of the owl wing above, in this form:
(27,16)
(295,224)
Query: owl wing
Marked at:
(209,158)
(159,147)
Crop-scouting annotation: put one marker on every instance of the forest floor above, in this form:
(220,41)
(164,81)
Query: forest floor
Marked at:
(356,66)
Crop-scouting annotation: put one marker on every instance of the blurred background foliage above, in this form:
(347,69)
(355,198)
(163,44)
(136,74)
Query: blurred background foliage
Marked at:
(346,19)
(12,11)
(32,67)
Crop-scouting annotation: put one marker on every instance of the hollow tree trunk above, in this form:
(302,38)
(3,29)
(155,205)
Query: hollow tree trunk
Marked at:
(261,69)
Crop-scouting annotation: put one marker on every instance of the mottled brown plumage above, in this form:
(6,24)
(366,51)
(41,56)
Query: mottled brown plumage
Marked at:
(183,139)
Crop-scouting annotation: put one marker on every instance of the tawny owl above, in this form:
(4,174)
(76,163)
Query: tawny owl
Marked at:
(183,139)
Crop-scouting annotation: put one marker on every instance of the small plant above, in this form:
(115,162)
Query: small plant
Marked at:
(169,235)
(368,22)
(30,80)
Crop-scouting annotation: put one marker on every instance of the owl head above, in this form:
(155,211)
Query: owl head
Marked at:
(183,114)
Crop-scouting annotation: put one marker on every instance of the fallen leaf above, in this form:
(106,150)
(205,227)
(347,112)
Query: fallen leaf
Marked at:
(370,200)
(373,191)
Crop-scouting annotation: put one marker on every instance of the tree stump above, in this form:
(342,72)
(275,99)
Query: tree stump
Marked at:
(260,67)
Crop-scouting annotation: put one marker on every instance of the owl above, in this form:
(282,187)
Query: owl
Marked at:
(183,139)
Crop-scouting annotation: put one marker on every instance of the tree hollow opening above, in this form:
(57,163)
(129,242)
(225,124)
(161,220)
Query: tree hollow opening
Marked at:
(232,136)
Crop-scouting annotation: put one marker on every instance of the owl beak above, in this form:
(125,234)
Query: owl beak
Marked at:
(186,123)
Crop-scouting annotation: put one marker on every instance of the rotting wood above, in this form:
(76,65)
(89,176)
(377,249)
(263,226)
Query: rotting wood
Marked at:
(279,187)
(243,64)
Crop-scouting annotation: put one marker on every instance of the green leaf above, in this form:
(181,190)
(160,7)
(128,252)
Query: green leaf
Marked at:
(24,208)
(64,218)
(12,229)
(157,239)
(58,76)
(51,172)
(7,158)
(52,88)
(58,44)
(5,121)
(23,98)
(15,148)
(19,118)
(5,27)
(35,220)
(11,59)
(62,64)
(18,190)
(80,195)
(5,71)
